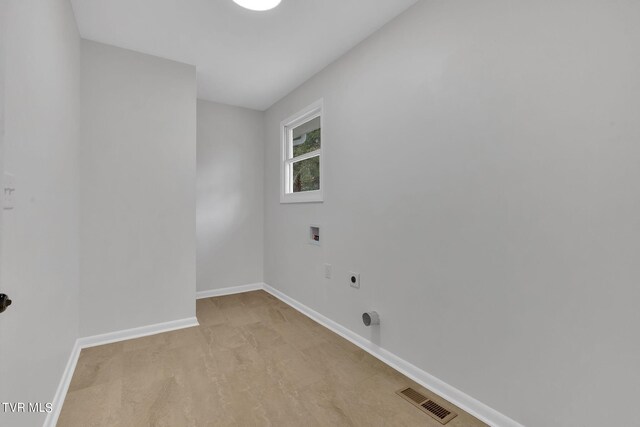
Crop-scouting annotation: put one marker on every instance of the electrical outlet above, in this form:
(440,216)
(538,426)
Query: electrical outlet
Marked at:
(328,270)
(354,280)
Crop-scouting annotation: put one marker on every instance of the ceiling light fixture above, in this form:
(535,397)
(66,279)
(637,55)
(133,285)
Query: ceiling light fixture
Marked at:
(259,5)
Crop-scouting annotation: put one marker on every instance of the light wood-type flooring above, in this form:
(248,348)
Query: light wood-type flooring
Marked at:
(253,361)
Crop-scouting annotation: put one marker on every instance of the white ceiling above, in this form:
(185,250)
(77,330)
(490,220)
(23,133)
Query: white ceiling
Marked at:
(245,58)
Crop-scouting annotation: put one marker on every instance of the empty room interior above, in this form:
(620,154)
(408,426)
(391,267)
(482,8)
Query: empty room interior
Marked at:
(319,213)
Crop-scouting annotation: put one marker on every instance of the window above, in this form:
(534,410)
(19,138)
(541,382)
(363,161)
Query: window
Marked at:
(301,168)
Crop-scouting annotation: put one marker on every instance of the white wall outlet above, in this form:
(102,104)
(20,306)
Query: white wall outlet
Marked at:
(354,280)
(9,191)
(328,271)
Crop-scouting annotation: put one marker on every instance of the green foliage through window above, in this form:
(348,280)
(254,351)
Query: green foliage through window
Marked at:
(306,143)
(306,175)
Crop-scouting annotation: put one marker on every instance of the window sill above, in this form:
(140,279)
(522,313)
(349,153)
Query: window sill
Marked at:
(304,197)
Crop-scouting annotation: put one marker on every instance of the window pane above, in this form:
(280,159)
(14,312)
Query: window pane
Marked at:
(306,137)
(306,175)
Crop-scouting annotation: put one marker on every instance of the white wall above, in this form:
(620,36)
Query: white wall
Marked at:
(230,195)
(138,170)
(39,265)
(482,176)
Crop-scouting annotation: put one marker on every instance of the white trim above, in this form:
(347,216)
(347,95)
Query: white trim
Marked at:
(63,386)
(304,196)
(308,113)
(305,156)
(142,331)
(95,340)
(229,291)
(444,390)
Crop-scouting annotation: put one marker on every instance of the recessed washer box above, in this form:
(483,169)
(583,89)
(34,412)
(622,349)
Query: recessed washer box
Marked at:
(314,235)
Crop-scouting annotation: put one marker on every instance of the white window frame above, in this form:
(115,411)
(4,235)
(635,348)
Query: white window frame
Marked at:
(286,164)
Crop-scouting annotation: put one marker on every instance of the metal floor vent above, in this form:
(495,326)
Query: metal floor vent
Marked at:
(427,405)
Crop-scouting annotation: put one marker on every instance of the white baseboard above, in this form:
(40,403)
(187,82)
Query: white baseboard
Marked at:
(95,340)
(444,390)
(63,386)
(142,331)
(229,291)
